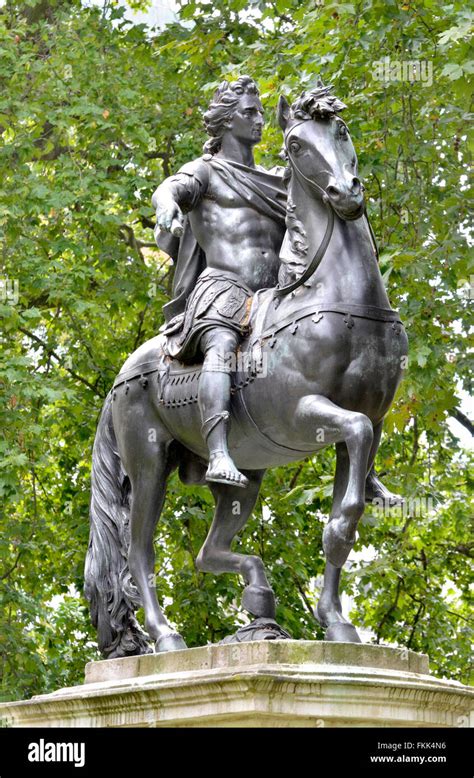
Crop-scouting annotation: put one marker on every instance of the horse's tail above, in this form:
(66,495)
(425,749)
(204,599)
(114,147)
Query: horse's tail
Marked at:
(108,587)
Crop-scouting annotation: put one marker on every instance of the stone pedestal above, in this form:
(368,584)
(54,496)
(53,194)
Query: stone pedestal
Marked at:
(283,683)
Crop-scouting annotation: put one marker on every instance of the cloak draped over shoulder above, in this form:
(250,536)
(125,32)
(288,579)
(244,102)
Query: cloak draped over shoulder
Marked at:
(262,190)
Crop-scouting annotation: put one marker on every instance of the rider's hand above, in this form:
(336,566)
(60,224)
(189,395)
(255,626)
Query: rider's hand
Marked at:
(170,218)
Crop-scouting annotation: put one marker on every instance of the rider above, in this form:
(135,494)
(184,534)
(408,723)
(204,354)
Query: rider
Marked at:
(234,229)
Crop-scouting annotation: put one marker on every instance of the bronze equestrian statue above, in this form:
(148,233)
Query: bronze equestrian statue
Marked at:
(281,271)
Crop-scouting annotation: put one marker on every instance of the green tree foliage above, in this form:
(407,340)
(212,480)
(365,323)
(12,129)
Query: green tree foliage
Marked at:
(94,112)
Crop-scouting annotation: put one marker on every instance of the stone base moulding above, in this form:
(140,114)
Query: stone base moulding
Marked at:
(278,683)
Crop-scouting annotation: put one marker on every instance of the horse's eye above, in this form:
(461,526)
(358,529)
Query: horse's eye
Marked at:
(294,146)
(343,131)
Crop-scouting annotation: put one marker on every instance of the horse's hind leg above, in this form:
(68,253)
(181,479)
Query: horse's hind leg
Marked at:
(233,508)
(148,494)
(145,452)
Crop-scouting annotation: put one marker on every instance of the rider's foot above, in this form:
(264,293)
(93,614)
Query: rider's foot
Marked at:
(222,470)
(375,490)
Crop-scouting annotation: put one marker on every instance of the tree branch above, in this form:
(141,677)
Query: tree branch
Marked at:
(12,568)
(390,610)
(415,443)
(60,361)
(462,419)
(141,318)
(145,222)
(296,475)
(165,156)
(128,235)
(415,623)
(303,594)
(458,616)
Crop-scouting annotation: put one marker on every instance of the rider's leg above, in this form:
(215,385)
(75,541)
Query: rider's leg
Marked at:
(218,346)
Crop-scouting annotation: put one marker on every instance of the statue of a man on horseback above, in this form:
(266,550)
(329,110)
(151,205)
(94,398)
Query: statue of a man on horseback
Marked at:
(283,268)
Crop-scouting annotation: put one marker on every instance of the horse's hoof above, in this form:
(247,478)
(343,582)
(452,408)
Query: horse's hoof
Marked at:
(171,642)
(259,601)
(336,547)
(318,613)
(342,632)
(376,493)
(260,629)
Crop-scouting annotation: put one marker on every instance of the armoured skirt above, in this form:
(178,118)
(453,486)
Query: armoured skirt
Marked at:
(219,299)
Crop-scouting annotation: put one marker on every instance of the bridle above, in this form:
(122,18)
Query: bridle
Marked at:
(322,248)
(312,184)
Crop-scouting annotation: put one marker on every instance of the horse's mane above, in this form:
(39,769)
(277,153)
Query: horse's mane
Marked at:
(317,103)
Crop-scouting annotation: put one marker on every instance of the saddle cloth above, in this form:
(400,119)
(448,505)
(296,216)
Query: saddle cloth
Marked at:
(179,382)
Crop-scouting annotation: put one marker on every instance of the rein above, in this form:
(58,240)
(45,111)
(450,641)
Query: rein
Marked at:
(310,269)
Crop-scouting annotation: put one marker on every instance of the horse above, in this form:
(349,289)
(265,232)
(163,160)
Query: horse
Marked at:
(333,352)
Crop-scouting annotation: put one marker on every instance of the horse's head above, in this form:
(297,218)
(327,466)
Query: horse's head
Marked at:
(320,150)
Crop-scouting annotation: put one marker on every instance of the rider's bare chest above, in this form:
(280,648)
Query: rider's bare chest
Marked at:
(219,193)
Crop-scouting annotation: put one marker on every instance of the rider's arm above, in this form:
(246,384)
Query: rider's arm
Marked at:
(179,194)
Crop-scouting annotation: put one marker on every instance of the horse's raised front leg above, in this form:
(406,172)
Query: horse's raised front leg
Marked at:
(375,490)
(233,508)
(337,425)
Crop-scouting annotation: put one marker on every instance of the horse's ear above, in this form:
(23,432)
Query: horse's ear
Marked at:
(283,112)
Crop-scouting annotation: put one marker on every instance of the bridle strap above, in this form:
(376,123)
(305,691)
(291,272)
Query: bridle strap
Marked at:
(308,272)
(372,235)
(310,269)
(309,181)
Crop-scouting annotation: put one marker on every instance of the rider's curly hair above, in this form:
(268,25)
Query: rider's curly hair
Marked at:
(222,108)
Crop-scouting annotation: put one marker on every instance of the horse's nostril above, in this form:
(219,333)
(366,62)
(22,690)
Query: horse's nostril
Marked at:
(333,191)
(356,185)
